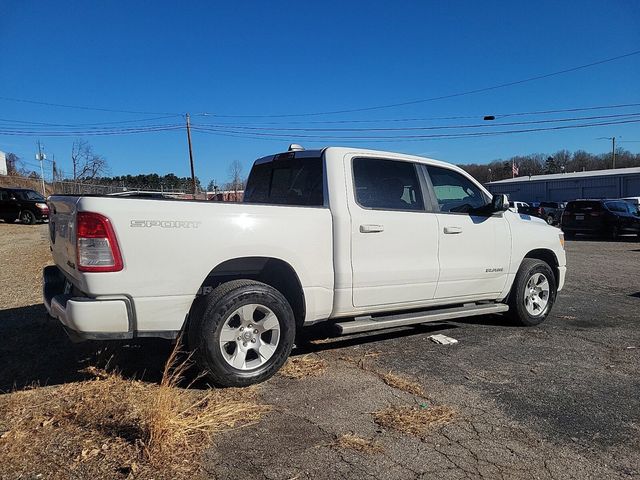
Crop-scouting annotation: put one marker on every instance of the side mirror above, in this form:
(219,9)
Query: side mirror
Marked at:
(499,203)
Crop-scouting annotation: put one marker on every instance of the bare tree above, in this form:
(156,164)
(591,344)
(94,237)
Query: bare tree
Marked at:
(235,175)
(87,165)
(12,163)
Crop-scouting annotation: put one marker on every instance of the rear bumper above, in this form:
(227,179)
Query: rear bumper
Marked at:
(85,318)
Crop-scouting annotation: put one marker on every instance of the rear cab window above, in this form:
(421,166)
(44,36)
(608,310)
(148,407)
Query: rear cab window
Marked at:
(287,180)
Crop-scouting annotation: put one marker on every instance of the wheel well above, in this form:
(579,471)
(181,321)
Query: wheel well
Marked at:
(272,271)
(546,256)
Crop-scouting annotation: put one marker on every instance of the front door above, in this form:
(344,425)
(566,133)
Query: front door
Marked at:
(394,240)
(474,250)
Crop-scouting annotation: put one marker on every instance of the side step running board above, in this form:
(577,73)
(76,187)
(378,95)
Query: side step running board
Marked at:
(366,324)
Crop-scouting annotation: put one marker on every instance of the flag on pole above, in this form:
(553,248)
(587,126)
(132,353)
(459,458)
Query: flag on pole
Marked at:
(514,169)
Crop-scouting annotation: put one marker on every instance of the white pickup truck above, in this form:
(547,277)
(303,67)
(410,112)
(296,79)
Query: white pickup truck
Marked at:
(363,239)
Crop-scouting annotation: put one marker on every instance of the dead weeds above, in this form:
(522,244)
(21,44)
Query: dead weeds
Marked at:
(394,380)
(303,366)
(402,383)
(350,441)
(111,426)
(414,420)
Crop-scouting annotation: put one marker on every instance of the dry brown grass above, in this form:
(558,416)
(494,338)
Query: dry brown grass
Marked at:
(109,425)
(394,380)
(414,420)
(350,441)
(24,252)
(304,366)
(402,383)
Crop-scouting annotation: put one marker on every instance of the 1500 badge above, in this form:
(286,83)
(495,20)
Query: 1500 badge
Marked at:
(165,223)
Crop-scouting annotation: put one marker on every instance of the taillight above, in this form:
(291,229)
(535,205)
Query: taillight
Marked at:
(96,244)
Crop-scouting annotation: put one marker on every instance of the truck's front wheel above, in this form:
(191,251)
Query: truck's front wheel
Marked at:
(533,292)
(241,333)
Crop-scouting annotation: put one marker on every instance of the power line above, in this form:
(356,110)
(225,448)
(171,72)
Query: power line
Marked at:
(336,112)
(456,117)
(24,122)
(263,136)
(440,127)
(443,97)
(103,132)
(81,107)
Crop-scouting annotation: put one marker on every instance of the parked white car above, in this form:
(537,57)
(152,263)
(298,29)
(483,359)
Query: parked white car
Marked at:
(518,207)
(363,239)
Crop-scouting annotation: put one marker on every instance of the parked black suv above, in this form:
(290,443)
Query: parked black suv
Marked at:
(605,217)
(20,203)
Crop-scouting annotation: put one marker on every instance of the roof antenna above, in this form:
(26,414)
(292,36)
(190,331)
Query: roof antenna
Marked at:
(294,147)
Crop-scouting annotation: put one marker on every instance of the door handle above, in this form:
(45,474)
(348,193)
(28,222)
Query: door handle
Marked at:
(369,228)
(452,230)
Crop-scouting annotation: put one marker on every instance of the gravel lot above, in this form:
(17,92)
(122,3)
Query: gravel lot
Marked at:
(551,402)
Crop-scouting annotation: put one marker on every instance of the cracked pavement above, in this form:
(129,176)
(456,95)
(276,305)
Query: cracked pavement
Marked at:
(557,401)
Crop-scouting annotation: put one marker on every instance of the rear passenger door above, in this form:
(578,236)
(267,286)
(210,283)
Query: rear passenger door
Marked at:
(394,238)
(474,250)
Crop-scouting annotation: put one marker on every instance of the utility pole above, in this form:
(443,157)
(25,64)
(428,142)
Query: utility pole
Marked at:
(193,175)
(613,151)
(53,171)
(41,156)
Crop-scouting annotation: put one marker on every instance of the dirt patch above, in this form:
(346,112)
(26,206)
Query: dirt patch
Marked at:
(350,441)
(24,252)
(304,366)
(414,420)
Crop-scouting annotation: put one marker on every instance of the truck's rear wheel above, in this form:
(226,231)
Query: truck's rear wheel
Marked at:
(241,333)
(533,292)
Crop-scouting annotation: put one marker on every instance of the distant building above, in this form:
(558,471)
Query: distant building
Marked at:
(226,195)
(562,187)
(3,164)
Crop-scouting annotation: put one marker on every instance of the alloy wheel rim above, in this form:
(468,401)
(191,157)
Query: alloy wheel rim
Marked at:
(249,337)
(536,295)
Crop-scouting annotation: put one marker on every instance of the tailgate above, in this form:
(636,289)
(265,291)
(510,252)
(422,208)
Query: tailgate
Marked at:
(62,218)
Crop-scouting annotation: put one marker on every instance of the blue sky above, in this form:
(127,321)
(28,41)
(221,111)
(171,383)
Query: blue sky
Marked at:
(280,57)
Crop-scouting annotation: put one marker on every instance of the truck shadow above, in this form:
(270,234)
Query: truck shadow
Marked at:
(35,351)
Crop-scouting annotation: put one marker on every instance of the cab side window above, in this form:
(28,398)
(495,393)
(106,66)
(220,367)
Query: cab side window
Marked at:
(387,184)
(4,195)
(455,193)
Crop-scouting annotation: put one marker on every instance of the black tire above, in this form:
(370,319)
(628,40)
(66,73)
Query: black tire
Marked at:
(517,310)
(27,217)
(208,317)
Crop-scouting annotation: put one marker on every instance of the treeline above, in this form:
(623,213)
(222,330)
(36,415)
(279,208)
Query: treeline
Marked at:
(562,161)
(150,181)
